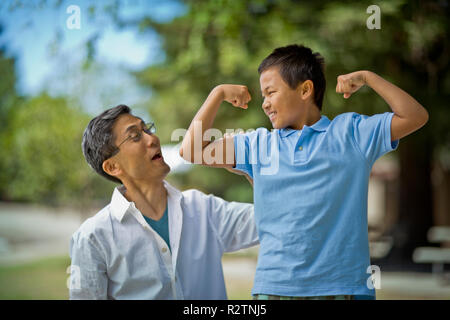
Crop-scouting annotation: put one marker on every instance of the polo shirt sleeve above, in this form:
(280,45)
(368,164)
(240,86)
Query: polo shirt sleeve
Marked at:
(242,152)
(88,279)
(372,135)
(233,222)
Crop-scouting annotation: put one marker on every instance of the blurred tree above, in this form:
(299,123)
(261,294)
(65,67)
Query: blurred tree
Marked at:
(45,162)
(224,41)
(8,97)
(40,137)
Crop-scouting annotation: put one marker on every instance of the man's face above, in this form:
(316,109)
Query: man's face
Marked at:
(138,158)
(282,104)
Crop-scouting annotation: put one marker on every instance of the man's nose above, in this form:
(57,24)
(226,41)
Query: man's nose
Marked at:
(151,139)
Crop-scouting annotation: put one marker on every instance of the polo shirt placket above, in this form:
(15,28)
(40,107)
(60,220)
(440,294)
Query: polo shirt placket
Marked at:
(301,147)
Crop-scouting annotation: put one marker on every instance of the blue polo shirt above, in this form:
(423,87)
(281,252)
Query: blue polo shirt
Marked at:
(310,200)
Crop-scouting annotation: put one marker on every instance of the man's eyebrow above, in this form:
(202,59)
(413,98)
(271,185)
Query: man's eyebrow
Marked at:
(134,126)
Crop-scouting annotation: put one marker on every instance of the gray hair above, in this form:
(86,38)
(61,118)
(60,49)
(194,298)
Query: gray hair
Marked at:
(98,139)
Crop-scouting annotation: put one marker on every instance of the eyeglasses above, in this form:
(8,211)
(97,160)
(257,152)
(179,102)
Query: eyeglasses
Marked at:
(136,134)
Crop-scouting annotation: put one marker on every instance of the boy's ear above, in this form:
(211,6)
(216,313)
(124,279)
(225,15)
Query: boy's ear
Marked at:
(306,89)
(111,167)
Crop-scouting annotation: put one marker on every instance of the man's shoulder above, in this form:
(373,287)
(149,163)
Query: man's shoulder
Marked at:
(191,196)
(96,225)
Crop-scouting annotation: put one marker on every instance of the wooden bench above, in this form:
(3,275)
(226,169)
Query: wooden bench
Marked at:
(437,256)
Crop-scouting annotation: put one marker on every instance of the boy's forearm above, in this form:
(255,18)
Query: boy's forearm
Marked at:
(203,120)
(401,103)
(250,180)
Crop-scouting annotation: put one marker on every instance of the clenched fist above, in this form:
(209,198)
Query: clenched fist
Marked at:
(237,95)
(350,83)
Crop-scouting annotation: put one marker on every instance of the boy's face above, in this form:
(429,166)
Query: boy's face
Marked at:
(283,105)
(138,159)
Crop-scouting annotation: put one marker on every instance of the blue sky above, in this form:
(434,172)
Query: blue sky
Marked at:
(30,31)
(29,34)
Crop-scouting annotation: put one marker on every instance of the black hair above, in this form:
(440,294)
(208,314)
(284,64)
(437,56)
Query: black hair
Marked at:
(298,63)
(98,139)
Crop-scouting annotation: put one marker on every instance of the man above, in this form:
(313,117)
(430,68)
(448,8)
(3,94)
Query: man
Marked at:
(152,241)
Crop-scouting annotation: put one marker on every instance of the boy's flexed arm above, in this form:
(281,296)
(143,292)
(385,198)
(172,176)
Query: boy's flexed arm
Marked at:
(409,115)
(193,147)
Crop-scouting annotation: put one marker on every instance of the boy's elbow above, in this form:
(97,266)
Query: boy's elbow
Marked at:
(182,155)
(186,156)
(424,117)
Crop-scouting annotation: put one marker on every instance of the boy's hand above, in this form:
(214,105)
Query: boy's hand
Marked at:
(350,83)
(237,95)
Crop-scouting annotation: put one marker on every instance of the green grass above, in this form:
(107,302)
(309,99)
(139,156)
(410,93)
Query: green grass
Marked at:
(44,279)
(239,288)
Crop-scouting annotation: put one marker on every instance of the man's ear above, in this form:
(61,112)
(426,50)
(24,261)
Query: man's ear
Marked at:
(111,167)
(306,89)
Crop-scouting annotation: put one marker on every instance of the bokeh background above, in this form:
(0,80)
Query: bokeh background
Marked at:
(162,58)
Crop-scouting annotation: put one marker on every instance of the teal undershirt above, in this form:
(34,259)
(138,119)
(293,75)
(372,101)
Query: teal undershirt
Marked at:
(161,226)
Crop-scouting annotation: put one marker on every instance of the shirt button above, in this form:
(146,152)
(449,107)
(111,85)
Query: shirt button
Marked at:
(300,148)
(164,250)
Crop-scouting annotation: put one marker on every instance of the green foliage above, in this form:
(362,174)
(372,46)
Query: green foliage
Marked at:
(44,158)
(224,42)
(7,88)
(8,98)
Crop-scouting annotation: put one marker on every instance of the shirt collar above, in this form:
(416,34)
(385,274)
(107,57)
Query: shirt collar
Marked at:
(120,205)
(319,126)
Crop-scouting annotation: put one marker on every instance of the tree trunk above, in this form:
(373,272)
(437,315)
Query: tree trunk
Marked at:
(415,215)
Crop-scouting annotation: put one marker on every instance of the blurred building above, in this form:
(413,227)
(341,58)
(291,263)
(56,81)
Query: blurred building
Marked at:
(383,202)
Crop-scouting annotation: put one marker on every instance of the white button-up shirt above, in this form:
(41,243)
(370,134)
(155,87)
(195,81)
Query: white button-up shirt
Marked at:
(117,255)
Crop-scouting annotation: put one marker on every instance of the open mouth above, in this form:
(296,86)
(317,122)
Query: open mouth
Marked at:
(157,156)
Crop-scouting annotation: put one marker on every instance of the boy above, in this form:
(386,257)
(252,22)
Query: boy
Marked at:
(311,197)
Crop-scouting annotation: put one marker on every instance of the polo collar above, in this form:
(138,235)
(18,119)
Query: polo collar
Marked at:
(119,205)
(319,126)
